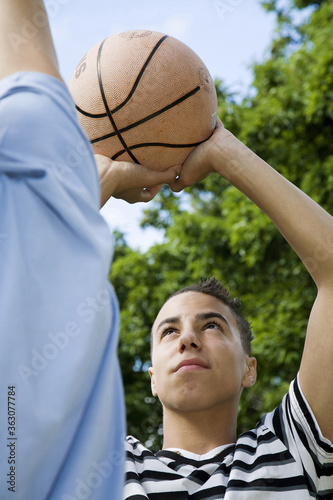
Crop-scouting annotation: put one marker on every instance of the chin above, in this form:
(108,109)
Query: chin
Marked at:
(188,403)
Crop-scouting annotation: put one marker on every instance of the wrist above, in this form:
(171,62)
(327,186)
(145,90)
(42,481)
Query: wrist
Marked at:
(108,182)
(229,157)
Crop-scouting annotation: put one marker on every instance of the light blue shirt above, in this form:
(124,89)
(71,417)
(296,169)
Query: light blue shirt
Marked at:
(62,412)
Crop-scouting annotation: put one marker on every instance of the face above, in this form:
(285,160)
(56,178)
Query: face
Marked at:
(198,361)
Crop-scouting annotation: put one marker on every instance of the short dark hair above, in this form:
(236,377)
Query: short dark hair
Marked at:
(211,286)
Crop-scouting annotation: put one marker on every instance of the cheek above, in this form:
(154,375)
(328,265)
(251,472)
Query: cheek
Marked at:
(157,375)
(160,386)
(231,360)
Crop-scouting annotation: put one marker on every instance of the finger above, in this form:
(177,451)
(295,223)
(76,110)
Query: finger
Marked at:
(139,195)
(219,123)
(154,190)
(147,194)
(177,186)
(126,180)
(152,178)
(192,172)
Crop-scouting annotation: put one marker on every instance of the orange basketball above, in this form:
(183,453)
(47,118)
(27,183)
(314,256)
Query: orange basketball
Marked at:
(144,97)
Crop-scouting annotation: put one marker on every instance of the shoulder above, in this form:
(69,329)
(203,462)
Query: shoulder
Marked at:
(40,133)
(30,84)
(33,98)
(290,428)
(134,446)
(306,423)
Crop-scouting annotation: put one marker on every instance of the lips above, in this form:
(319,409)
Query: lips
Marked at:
(191,364)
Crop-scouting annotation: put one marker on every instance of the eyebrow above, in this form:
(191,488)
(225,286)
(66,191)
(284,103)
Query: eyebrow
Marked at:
(198,317)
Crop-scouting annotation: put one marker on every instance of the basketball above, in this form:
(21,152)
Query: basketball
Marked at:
(144,97)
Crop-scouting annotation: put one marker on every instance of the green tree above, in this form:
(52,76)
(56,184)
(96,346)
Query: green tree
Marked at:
(213,229)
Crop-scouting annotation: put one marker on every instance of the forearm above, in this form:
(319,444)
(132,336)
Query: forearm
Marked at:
(25,38)
(303,223)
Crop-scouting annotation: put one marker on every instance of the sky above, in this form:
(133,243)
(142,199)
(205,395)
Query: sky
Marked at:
(228,35)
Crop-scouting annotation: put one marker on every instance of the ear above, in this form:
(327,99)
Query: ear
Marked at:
(152,381)
(250,375)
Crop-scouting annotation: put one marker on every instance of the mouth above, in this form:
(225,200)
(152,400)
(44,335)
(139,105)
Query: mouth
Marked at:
(193,364)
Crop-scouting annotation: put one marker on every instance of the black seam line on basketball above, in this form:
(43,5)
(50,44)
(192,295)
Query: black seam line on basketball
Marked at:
(90,115)
(149,117)
(157,144)
(136,83)
(109,113)
(143,69)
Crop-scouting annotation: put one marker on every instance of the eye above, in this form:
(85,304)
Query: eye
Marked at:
(213,325)
(167,331)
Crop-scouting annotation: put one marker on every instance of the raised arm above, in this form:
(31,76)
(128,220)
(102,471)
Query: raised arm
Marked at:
(25,38)
(26,45)
(308,229)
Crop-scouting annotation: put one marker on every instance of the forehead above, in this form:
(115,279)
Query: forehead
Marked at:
(189,304)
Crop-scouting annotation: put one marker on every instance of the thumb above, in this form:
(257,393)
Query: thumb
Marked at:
(149,193)
(156,178)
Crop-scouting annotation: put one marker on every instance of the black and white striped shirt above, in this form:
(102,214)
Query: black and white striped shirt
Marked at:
(284,458)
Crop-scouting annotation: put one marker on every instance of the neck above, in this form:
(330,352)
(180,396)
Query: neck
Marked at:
(198,431)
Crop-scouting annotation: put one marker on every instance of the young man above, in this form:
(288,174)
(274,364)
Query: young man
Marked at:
(201,362)
(62,418)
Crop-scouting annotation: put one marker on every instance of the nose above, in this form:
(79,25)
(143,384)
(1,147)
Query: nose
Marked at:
(189,340)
